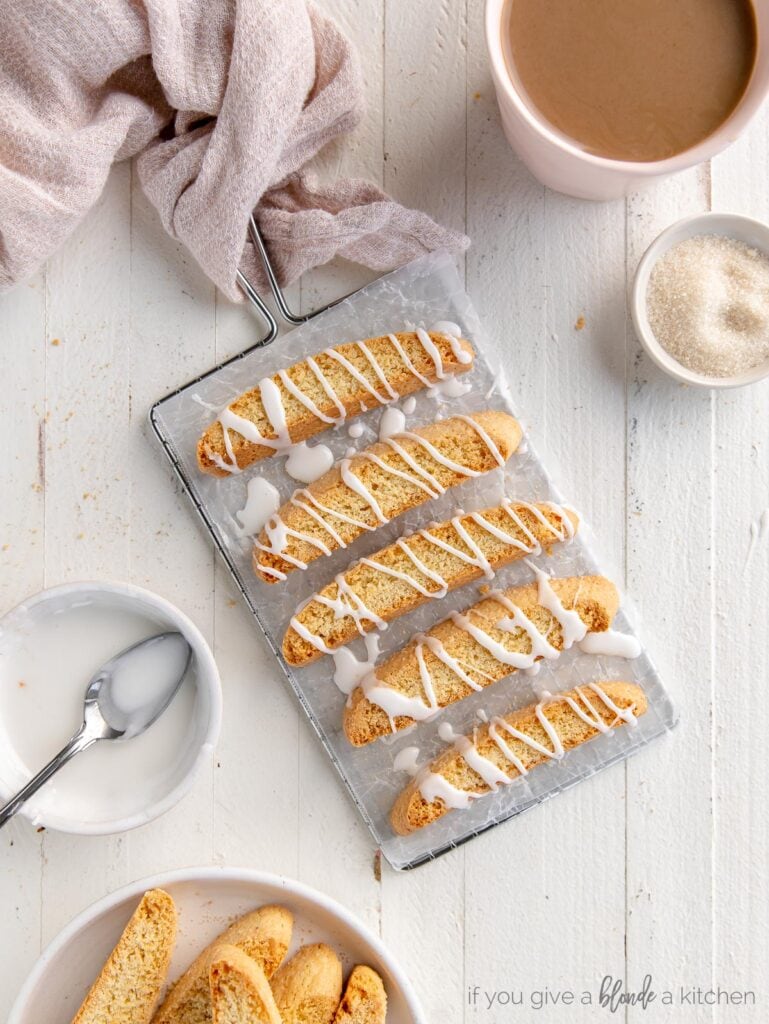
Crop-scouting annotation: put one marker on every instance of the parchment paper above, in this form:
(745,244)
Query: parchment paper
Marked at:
(421,293)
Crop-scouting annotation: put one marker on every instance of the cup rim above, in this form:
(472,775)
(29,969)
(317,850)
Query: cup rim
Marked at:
(733,225)
(207,678)
(726,133)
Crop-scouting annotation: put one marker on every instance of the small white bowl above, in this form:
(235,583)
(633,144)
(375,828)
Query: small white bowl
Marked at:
(207,900)
(198,730)
(730,225)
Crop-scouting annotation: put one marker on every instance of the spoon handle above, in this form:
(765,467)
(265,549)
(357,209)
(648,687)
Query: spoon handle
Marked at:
(78,742)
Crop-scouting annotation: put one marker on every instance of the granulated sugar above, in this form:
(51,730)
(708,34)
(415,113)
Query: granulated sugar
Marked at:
(708,305)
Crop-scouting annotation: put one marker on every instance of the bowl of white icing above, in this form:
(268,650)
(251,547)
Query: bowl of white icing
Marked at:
(50,647)
(700,300)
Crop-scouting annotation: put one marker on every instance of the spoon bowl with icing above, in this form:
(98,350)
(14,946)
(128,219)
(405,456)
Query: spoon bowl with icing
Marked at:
(159,703)
(125,697)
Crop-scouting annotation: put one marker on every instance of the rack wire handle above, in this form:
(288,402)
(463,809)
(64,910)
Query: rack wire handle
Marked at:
(257,301)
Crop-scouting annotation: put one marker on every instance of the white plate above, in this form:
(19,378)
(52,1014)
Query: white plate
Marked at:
(208,899)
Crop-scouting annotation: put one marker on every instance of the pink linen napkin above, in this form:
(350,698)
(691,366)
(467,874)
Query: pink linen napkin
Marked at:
(225,101)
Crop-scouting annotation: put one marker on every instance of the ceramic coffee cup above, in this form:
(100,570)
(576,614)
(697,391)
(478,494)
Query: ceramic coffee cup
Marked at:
(562,165)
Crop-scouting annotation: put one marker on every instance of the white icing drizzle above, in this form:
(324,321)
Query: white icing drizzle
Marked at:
(426,705)
(434,786)
(611,643)
(274,407)
(319,376)
(433,352)
(356,484)
(416,481)
(484,436)
(306,464)
(348,602)
(409,405)
(277,539)
(355,429)
(420,471)
(309,636)
(444,460)
(275,412)
(394,396)
(349,670)
(331,512)
(305,400)
(407,362)
(355,372)
(573,629)
(493,776)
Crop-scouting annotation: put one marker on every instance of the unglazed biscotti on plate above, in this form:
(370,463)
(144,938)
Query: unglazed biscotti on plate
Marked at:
(421,567)
(383,482)
(305,399)
(308,987)
(512,745)
(239,989)
(364,1000)
(129,985)
(264,935)
(508,630)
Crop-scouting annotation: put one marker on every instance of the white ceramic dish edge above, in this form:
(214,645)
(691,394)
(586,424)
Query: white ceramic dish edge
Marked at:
(282,888)
(207,678)
(732,225)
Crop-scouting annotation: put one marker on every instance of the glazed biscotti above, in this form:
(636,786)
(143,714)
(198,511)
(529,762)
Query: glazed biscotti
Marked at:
(311,396)
(307,988)
(383,482)
(240,992)
(506,631)
(264,935)
(130,982)
(418,568)
(364,1000)
(506,747)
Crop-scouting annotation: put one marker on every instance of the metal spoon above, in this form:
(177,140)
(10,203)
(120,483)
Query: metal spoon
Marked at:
(121,701)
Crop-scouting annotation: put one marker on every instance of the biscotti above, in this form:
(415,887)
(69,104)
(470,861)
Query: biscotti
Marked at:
(128,987)
(506,631)
(308,987)
(507,747)
(240,992)
(264,935)
(388,479)
(364,1000)
(419,568)
(309,397)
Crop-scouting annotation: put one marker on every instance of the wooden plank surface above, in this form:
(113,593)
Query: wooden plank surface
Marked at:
(656,867)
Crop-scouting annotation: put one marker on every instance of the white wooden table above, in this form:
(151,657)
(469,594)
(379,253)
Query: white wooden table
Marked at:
(658,866)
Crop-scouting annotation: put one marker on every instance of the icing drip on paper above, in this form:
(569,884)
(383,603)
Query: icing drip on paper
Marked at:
(406,761)
(348,670)
(262,501)
(611,644)
(393,421)
(307,464)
